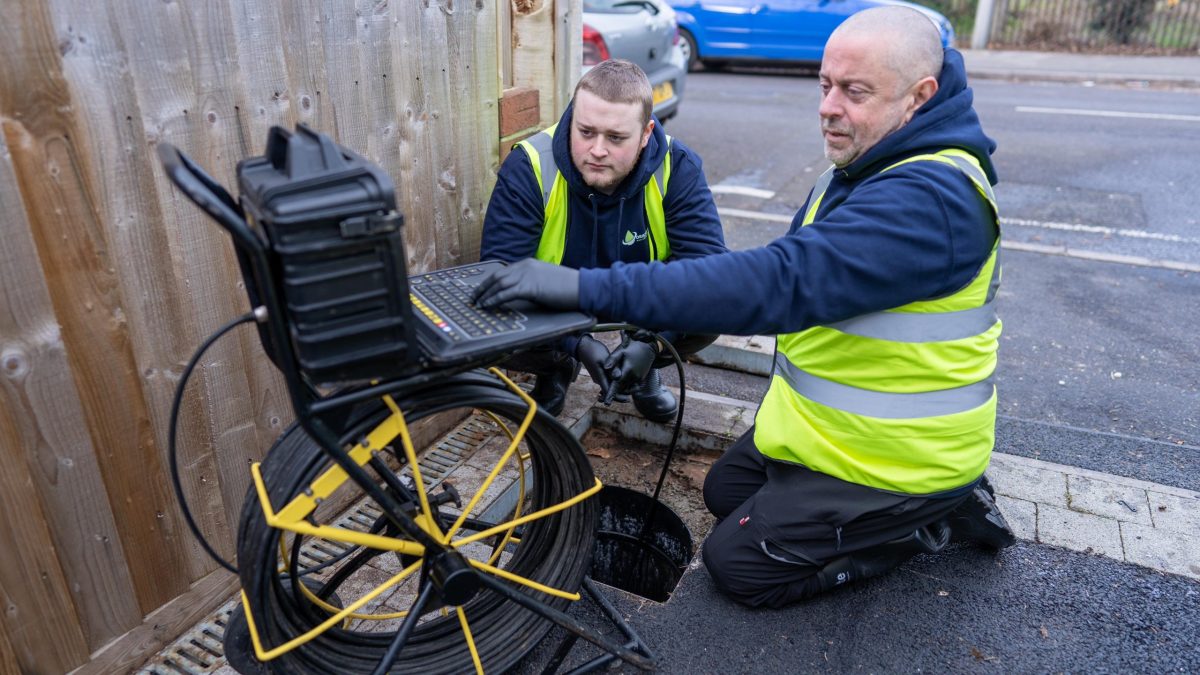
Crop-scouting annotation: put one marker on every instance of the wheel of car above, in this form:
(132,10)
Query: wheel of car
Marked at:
(688,46)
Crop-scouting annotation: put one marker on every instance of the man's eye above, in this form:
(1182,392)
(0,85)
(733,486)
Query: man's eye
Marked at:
(615,139)
(824,87)
(585,133)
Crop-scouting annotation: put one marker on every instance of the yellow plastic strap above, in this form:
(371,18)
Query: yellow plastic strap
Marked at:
(512,448)
(325,531)
(462,620)
(267,655)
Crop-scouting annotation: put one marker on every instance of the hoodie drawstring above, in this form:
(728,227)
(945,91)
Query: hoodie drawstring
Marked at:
(595,230)
(620,221)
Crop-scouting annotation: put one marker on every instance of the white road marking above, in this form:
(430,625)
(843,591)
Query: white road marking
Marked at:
(1109,113)
(755,215)
(1064,251)
(1100,229)
(1097,256)
(742,190)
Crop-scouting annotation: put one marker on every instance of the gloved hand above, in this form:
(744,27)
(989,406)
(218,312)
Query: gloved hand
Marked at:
(592,354)
(629,364)
(554,286)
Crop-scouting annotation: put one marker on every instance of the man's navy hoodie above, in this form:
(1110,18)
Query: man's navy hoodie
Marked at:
(879,241)
(597,223)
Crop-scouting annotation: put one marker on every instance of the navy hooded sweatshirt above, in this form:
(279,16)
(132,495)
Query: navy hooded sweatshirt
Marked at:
(879,241)
(597,223)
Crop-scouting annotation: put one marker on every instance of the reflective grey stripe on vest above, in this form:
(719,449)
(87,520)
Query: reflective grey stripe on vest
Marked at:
(543,143)
(929,327)
(974,172)
(881,404)
(823,182)
(661,174)
(994,285)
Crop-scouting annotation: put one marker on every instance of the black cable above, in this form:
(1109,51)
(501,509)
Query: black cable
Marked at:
(662,476)
(555,551)
(171,449)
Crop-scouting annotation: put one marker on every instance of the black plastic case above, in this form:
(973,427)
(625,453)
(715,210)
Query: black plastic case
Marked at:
(330,221)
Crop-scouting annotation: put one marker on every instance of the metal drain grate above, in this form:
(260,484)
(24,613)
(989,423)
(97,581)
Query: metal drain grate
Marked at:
(201,650)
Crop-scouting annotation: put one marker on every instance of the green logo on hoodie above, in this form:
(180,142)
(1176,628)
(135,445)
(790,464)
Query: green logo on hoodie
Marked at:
(630,238)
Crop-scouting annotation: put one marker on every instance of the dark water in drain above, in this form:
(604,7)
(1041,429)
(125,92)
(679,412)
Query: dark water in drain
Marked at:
(644,560)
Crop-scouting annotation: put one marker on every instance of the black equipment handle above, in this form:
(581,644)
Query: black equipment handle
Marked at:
(209,195)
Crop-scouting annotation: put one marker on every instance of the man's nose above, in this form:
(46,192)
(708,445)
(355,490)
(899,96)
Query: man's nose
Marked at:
(598,149)
(831,105)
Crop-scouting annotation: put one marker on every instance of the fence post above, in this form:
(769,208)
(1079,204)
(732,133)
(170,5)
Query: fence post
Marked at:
(983,24)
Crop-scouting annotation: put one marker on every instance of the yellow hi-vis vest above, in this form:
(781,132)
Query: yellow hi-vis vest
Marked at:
(900,400)
(553,243)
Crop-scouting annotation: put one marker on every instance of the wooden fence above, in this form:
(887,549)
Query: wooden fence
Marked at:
(109,278)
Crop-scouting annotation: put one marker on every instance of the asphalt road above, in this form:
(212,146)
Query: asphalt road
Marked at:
(1102,252)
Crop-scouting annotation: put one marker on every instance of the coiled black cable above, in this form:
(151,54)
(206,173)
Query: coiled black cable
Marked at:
(555,551)
(172,454)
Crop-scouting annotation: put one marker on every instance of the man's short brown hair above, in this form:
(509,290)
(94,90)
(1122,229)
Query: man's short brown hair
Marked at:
(619,81)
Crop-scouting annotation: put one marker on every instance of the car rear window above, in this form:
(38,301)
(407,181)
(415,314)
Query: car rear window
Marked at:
(616,6)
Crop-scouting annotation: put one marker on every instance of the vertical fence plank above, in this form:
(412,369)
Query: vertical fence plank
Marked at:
(39,618)
(304,54)
(51,155)
(244,392)
(341,44)
(476,145)
(416,123)
(40,625)
(177,87)
(8,657)
(533,54)
(37,388)
(104,76)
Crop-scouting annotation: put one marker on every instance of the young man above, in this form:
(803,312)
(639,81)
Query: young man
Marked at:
(870,445)
(604,186)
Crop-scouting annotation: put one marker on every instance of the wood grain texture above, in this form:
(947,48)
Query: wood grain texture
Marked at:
(56,174)
(474,150)
(162,626)
(533,55)
(8,657)
(568,50)
(110,278)
(37,387)
(38,617)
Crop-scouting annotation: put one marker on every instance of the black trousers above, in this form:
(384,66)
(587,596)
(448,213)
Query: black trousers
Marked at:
(779,523)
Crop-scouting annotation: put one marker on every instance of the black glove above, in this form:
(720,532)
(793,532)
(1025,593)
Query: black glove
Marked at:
(629,364)
(554,286)
(592,354)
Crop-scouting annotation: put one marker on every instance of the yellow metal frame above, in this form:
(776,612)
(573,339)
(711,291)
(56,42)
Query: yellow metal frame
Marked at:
(293,518)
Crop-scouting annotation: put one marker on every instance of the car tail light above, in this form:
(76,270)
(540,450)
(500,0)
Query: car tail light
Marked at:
(594,49)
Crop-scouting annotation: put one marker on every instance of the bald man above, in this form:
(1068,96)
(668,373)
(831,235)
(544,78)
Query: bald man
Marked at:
(871,442)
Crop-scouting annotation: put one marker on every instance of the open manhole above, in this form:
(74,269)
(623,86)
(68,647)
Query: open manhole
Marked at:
(644,546)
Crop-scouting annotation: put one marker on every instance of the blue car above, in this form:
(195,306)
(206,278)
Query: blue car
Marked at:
(720,32)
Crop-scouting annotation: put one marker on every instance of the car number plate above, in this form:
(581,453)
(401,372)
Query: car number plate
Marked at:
(663,92)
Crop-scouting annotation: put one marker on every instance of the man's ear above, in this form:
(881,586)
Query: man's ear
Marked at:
(647,131)
(923,91)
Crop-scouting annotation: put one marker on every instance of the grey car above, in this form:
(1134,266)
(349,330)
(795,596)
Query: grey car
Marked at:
(642,31)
